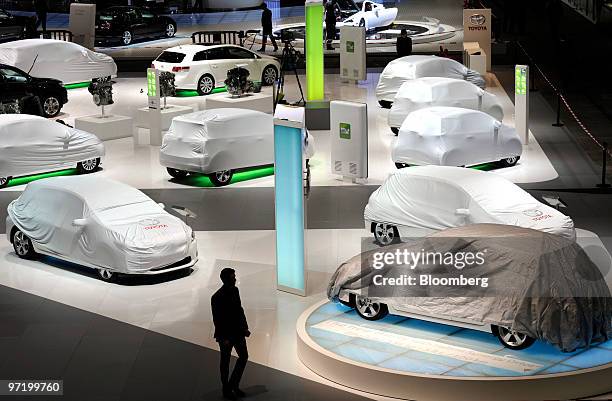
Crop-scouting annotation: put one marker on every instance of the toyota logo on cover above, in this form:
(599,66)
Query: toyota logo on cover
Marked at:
(478,20)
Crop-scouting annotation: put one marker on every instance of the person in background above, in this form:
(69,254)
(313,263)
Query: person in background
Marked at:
(266,27)
(231,331)
(404,44)
(41,7)
(330,23)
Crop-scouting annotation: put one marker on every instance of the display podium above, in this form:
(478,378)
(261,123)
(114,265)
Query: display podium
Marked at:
(107,127)
(252,101)
(167,114)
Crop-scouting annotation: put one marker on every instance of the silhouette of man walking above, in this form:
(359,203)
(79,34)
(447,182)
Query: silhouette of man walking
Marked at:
(231,330)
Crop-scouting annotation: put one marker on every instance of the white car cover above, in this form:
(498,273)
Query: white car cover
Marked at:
(48,58)
(32,144)
(221,139)
(124,229)
(452,136)
(433,198)
(439,91)
(407,68)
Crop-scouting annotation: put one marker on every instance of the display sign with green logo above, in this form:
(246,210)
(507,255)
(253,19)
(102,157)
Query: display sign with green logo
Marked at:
(345,131)
(350,46)
(151,83)
(520,79)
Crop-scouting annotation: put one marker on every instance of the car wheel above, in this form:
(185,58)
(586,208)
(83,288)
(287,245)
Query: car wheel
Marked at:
(401,165)
(269,75)
(395,131)
(51,106)
(23,245)
(4,181)
(88,166)
(370,310)
(178,174)
(170,30)
(362,22)
(509,161)
(221,178)
(206,84)
(385,104)
(385,234)
(127,38)
(512,339)
(107,275)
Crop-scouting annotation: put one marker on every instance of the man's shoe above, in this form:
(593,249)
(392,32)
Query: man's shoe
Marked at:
(239,392)
(229,394)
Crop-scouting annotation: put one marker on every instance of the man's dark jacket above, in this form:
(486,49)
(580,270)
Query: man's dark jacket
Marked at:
(266,21)
(228,315)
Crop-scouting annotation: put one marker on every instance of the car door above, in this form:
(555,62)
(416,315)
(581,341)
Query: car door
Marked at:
(218,64)
(134,20)
(67,235)
(240,56)
(481,139)
(15,84)
(150,22)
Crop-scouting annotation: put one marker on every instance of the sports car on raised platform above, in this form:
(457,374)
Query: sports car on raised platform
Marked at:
(125,24)
(519,284)
(371,15)
(204,68)
(65,61)
(452,136)
(32,145)
(407,68)
(436,91)
(417,201)
(101,224)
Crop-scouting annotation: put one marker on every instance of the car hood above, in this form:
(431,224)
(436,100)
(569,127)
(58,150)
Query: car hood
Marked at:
(46,81)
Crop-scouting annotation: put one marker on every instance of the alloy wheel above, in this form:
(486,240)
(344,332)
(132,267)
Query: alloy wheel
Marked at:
(21,244)
(512,338)
(51,106)
(170,30)
(3,181)
(269,76)
(223,176)
(206,85)
(367,308)
(106,274)
(127,37)
(90,165)
(384,233)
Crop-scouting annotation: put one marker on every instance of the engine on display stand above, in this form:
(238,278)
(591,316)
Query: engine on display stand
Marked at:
(167,86)
(238,83)
(102,91)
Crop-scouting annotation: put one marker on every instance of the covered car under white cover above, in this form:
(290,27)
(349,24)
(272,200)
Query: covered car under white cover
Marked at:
(407,68)
(31,144)
(453,136)
(430,198)
(49,58)
(101,223)
(541,285)
(221,139)
(439,91)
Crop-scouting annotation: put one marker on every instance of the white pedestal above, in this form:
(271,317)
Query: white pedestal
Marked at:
(107,127)
(167,114)
(253,101)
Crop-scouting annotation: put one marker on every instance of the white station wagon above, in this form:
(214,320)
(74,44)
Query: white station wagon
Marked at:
(204,68)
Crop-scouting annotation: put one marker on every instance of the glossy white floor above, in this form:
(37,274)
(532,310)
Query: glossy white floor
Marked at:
(139,165)
(181,308)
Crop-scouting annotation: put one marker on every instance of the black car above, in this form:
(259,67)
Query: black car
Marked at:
(15,27)
(40,96)
(124,24)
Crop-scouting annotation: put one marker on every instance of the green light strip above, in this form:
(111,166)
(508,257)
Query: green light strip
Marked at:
(29,178)
(314,52)
(200,180)
(77,85)
(188,93)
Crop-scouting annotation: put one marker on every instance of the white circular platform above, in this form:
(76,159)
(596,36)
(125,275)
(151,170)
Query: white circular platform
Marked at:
(347,357)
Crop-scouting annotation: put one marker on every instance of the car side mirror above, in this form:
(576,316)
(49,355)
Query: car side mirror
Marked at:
(462,212)
(162,205)
(79,223)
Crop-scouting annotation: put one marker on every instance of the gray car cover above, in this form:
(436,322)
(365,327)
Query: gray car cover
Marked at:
(541,284)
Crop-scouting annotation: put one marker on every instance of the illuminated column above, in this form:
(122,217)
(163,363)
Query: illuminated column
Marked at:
(314,51)
(154,115)
(521,102)
(289,205)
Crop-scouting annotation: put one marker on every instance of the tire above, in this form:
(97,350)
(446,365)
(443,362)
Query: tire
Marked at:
(362,23)
(206,84)
(512,339)
(170,30)
(107,275)
(385,104)
(385,234)
(370,310)
(509,161)
(178,174)
(127,38)
(221,178)
(51,106)
(269,75)
(401,165)
(4,181)
(88,166)
(395,131)
(22,245)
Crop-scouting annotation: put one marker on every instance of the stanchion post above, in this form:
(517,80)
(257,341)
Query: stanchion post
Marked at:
(604,167)
(558,123)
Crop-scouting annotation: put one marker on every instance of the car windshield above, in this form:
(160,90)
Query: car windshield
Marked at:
(171,57)
(116,214)
(12,75)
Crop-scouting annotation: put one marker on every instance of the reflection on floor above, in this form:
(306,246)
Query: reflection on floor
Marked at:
(416,346)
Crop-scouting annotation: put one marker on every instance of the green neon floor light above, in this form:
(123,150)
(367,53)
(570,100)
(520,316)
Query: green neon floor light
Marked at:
(188,93)
(29,178)
(77,85)
(200,180)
